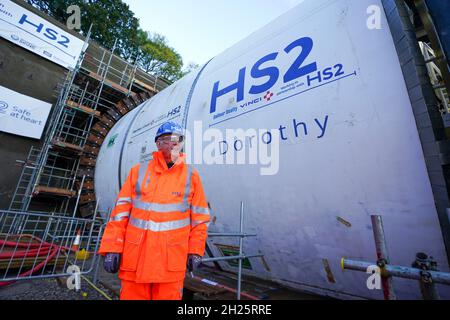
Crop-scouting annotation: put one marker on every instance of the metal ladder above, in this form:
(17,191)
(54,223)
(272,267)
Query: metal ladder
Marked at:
(26,180)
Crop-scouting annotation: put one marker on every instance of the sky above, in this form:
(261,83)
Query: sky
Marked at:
(200,29)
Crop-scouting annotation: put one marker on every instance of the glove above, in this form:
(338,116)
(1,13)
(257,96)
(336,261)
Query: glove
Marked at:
(111,263)
(193,262)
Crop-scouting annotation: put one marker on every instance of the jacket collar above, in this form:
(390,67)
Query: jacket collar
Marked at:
(160,163)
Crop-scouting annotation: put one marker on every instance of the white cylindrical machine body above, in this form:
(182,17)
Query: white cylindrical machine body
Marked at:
(325,91)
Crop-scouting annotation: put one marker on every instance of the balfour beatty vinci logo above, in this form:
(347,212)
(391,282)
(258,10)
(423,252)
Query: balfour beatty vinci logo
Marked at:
(3,106)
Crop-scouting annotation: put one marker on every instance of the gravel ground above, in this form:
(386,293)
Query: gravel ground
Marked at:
(52,289)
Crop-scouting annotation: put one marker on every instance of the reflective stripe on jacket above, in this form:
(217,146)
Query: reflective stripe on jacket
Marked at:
(160,216)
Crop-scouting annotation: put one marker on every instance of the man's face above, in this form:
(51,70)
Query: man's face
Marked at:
(170,145)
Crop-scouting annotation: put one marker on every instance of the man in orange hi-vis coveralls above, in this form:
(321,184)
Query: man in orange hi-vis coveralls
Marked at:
(158,227)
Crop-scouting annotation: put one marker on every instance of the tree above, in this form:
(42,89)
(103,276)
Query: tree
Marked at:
(160,59)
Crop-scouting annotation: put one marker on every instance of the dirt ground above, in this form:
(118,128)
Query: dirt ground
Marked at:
(52,289)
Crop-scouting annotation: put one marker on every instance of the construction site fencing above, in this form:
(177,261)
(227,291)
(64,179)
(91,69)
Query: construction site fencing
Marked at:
(40,245)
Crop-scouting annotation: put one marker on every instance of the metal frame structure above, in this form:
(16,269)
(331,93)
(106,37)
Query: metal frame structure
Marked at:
(436,77)
(439,59)
(42,163)
(423,268)
(240,257)
(85,110)
(38,232)
(435,59)
(39,245)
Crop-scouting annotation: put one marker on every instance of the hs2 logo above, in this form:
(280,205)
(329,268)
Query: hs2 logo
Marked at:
(47,32)
(295,71)
(174,111)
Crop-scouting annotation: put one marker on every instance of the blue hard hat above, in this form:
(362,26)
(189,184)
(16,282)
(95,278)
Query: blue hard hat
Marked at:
(169,127)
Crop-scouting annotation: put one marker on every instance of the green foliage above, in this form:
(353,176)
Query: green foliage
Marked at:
(113,19)
(160,59)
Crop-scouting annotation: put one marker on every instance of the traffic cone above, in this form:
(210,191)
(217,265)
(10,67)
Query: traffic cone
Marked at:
(76,243)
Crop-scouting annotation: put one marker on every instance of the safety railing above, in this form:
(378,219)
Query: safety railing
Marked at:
(241,255)
(39,245)
(423,268)
(113,68)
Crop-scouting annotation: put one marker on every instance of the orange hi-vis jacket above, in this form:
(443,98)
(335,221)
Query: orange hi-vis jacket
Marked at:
(161,215)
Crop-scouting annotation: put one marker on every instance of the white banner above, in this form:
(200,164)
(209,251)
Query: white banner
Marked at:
(36,34)
(21,114)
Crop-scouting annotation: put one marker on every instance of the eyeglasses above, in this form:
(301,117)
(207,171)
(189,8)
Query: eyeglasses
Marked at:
(171,139)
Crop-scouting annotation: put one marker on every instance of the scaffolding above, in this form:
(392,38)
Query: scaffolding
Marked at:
(58,177)
(436,77)
(434,56)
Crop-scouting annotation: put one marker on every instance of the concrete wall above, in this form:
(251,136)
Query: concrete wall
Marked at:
(29,74)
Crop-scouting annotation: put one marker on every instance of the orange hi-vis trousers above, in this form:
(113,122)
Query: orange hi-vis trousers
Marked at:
(151,291)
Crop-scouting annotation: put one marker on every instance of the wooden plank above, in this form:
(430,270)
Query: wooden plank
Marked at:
(66,145)
(118,87)
(95,76)
(202,288)
(74,105)
(109,83)
(55,191)
(145,86)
